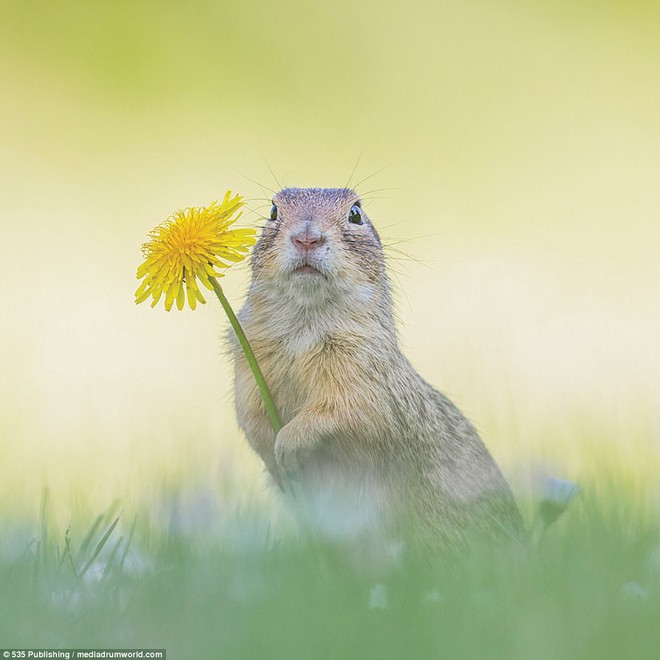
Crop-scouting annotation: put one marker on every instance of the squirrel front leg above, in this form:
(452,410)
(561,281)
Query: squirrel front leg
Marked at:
(302,435)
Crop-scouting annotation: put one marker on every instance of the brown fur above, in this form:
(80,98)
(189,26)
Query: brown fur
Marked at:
(377,449)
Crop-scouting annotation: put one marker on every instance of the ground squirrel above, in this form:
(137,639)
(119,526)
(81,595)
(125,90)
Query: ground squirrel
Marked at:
(374,446)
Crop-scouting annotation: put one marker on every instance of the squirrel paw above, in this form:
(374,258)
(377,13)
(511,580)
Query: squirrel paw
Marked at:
(291,450)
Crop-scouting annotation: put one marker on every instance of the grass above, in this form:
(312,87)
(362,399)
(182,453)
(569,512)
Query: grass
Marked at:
(245,589)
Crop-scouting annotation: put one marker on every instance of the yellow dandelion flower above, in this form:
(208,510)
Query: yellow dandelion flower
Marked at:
(196,243)
(199,243)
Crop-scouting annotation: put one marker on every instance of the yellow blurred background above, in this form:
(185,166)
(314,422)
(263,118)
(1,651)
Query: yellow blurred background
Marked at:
(511,153)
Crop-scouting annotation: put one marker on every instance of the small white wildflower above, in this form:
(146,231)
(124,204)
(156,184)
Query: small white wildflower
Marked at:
(557,495)
(378,597)
(634,591)
(94,573)
(137,563)
(431,597)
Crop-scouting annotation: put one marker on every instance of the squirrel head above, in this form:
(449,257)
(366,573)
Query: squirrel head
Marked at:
(319,240)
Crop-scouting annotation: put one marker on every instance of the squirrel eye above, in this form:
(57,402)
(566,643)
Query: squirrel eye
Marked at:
(273,212)
(355,215)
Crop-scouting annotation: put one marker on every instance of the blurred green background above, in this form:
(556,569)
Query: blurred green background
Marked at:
(513,156)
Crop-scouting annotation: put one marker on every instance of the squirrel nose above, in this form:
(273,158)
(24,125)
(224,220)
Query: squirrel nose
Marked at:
(306,241)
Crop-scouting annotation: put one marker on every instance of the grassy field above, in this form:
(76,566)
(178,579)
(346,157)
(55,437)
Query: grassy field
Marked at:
(244,588)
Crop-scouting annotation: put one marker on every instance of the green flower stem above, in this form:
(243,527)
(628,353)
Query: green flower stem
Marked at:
(292,483)
(269,404)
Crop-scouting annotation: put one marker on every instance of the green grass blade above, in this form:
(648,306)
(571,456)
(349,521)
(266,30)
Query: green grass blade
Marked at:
(99,546)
